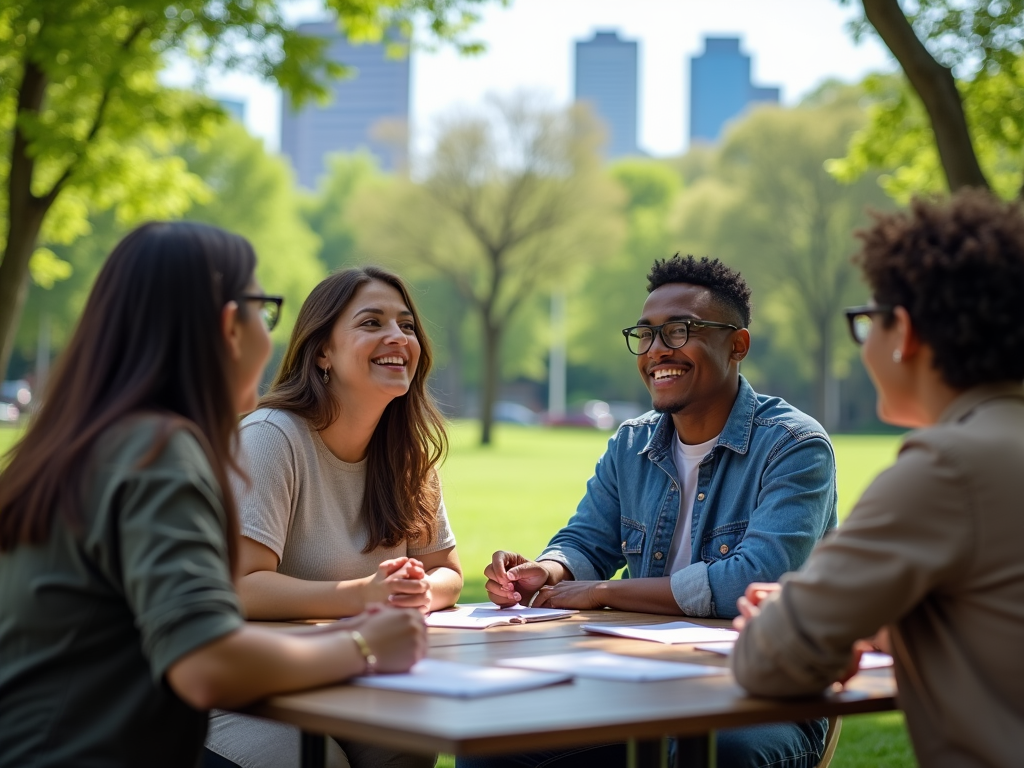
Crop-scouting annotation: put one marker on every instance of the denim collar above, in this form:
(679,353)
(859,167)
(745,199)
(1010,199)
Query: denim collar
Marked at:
(735,435)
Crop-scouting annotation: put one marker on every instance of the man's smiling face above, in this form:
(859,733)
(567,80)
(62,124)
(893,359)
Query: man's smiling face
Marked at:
(702,370)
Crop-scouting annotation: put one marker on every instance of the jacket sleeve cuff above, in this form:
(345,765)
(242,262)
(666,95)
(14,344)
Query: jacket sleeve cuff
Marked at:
(692,590)
(576,562)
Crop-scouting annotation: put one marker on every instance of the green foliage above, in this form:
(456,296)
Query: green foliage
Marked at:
(769,209)
(982,44)
(326,211)
(898,136)
(253,194)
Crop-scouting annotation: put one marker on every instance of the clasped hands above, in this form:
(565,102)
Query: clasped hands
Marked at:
(512,579)
(401,582)
(757,593)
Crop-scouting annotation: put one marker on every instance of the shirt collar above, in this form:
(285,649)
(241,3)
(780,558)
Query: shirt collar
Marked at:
(735,435)
(965,403)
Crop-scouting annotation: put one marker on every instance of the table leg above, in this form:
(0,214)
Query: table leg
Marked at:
(693,751)
(313,750)
(647,753)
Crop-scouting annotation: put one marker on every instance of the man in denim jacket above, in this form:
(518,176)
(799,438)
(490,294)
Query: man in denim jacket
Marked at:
(716,488)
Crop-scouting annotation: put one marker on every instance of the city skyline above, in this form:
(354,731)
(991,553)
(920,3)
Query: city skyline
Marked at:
(796,44)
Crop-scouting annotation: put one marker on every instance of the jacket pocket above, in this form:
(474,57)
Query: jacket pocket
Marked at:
(722,541)
(633,534)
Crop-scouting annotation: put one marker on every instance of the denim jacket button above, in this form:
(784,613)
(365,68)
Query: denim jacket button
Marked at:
(658,555)
(623,546)
(700,497)
(672,487)
(724,548)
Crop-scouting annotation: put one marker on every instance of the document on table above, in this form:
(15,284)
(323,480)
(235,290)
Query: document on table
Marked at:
(464,681)
(672,633)
(611,666)
(483,615)
(870,660)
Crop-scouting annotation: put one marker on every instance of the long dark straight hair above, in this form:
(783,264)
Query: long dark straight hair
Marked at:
(402,488)
(149,341)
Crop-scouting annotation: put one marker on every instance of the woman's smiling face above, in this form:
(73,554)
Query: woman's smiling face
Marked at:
(373,347)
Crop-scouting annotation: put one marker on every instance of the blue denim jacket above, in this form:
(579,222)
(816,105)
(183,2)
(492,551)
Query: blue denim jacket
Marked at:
(765,495)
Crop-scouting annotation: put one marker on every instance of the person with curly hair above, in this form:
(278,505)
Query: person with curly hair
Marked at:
(931,553)
(715,487)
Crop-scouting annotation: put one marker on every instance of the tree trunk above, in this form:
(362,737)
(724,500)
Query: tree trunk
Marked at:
(25,214)
(935,85)
(491,337)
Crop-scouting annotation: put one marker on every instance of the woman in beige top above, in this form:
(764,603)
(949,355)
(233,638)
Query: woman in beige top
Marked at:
(343,508)
(932,552)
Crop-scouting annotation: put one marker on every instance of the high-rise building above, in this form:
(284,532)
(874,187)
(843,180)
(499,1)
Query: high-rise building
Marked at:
(606,78)
(720,88)
(367,111)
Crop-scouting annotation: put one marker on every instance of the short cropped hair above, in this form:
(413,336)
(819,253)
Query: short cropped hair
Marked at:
(729,288)
(957,267)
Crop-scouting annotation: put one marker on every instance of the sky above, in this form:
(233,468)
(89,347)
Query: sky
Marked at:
(794,44)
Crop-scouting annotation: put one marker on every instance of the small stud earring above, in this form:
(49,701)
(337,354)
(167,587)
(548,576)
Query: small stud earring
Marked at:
(326,376)
(897,356)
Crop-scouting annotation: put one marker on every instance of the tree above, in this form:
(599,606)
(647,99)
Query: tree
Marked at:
(326,210)
(770,209)
(254,194)
(610,299)
(84,120)
(513,200)
(958,120)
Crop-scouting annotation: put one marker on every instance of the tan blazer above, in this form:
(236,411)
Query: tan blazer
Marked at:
(934,549)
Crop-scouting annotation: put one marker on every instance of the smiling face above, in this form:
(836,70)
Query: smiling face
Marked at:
(373,351)
(702,373)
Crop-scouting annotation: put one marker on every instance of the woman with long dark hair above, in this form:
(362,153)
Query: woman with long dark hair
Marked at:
(344,508)
(120,625)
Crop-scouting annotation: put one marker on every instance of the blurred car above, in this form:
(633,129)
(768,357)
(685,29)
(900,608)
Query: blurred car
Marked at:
(514,413)
(9,411)
(15,397)
(596,414)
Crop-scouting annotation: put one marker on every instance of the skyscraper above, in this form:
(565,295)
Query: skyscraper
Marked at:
(368,111)
(720,88)
(606,78)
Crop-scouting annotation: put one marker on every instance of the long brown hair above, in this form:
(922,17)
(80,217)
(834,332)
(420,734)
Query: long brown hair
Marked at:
(149,341)
(402,489)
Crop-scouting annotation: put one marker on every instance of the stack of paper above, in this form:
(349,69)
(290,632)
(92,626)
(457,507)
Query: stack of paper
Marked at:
(610,666)
(672,633)
(466,681)
(483,615)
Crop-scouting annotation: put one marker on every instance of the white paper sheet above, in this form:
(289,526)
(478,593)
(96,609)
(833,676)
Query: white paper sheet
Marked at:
(483,615)
(672,633)
(611,666)
(870,660)
(465,681)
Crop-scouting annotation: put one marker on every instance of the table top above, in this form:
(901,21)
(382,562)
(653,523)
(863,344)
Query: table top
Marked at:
(584,711)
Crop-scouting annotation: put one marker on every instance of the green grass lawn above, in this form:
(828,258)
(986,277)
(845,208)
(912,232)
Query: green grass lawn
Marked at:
(516,493)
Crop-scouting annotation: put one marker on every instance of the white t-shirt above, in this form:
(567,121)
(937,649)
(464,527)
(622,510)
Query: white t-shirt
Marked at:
(687,458)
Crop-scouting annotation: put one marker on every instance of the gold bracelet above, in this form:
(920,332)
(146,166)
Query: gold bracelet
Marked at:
(364,649)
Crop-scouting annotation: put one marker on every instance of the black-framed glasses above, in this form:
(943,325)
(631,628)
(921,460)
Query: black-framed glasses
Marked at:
(270,308)
(860,320)
(639,338)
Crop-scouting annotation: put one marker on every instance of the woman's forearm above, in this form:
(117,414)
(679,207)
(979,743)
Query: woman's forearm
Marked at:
(269,596)
(445,587)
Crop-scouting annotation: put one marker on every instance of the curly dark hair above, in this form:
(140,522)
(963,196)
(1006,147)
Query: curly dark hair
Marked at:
(957,267)
(728,287)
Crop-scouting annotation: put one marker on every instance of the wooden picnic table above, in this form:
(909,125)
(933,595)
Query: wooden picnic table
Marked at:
(584,711)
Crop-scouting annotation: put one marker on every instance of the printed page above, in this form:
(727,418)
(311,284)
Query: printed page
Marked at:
(483,615)
(611,666)
(465,681)
(672,633)
(870,660)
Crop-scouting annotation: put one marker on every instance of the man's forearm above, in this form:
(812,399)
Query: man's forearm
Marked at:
(650,595)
